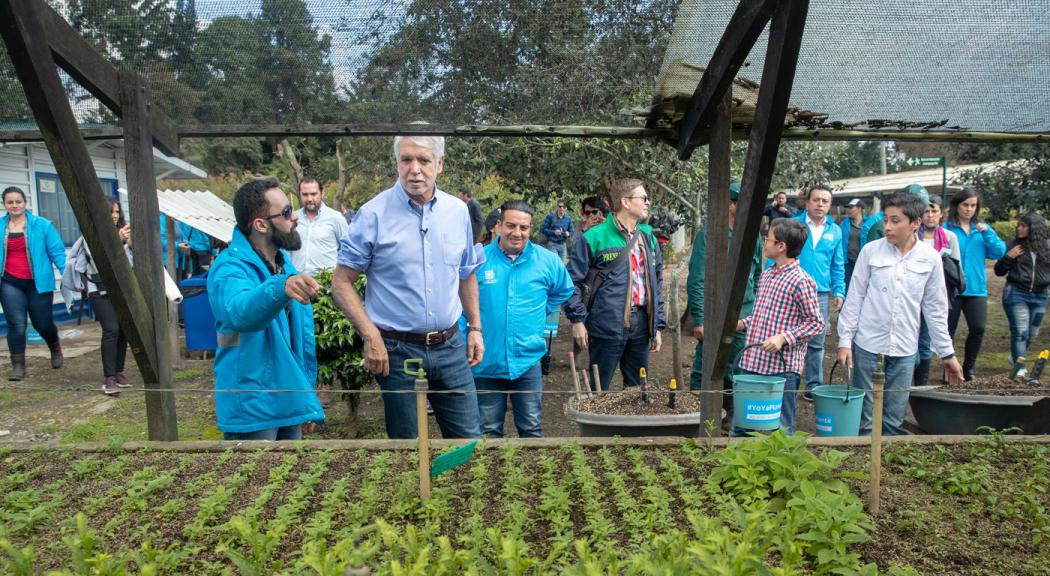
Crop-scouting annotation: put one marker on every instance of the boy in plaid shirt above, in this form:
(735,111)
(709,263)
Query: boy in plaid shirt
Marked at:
(786,315)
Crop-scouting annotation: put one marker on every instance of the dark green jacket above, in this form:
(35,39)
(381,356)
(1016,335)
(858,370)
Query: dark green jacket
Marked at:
(609,316)
(694,287)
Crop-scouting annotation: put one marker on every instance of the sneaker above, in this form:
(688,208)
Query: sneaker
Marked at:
(1022,374)
(122,380)
(807,395)
(430,409)
(110,387)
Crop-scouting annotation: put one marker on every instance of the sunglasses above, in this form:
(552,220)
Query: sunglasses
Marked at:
(286,213)
(592,212)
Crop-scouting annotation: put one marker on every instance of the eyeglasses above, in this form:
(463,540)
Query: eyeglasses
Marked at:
(286,213)
(561,205)
(644,199)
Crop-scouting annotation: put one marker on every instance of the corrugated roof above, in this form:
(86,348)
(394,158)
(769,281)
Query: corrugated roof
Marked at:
(201,209)
(929,178)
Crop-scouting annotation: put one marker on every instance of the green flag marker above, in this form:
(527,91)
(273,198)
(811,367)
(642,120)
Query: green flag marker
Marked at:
(453,458)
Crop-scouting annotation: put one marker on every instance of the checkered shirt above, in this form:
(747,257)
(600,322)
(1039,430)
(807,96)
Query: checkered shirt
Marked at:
(786,304)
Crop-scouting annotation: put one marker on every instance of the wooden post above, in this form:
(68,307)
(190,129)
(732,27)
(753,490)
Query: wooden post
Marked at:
(597,379)
(876,449)
(145,232)
(718,333)
(424,439)
(676,331)
(575,374)
(587,383)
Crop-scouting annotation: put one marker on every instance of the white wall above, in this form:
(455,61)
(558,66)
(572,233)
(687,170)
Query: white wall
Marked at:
(19,164)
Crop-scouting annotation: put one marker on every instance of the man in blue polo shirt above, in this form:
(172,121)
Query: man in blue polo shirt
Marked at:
(823,259)
(519,284)
(416,247)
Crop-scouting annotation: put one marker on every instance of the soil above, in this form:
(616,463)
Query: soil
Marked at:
(634,402)
(998,385)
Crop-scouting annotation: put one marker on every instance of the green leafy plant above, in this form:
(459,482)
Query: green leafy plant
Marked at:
(340,351)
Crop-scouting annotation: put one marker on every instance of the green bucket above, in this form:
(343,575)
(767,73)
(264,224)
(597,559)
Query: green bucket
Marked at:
(757,399)
(838,407)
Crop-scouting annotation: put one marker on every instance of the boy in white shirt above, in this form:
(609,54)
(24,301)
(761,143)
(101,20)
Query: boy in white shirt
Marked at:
(897,279)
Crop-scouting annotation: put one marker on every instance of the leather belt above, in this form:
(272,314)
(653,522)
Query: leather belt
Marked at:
(424,338)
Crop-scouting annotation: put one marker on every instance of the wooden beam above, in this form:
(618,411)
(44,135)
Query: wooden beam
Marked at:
(915,135)
(145,232)
(38,75)
(92,71)
(778,76)
(716,261)
(37,136)
(739,38)
(282,130)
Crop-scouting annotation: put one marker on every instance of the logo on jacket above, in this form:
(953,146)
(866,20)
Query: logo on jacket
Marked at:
(829,236)
(490,277)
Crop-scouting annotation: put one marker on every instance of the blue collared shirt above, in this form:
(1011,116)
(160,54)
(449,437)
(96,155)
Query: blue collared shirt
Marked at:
(414,258)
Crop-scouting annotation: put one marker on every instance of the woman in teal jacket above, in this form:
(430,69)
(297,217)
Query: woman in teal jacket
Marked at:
(31,247)
(977,243)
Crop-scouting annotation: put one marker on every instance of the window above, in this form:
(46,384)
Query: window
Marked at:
(53,204)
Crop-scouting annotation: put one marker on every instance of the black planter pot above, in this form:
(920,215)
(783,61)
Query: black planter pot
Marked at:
(608,425)
(941,412)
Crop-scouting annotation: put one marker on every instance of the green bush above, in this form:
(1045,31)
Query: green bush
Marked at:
(1005,229)
(340,351)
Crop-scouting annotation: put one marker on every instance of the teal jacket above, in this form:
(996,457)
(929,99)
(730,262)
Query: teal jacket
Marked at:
(44,248)
(826,263)
(515,298)
(266,342)
(871,230)
(974,249)
(694,286)
(609,316)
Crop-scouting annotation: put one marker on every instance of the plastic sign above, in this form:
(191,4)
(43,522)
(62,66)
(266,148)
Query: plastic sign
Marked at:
(453,458)
(934,161)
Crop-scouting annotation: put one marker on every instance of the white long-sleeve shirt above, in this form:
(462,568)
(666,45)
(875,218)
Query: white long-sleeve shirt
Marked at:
(889,294)
(321,238)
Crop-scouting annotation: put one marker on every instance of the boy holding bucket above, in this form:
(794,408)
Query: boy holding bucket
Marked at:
(896,279)
(786,315)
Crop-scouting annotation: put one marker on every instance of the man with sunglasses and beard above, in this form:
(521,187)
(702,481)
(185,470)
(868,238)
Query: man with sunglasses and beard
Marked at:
(264,323)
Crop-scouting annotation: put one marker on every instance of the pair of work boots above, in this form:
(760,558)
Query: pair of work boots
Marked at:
(18,362)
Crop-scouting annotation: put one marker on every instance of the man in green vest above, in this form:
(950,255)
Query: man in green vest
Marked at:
(695,293)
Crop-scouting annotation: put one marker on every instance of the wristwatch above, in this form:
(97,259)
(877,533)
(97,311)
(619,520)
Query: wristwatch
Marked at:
(473,328)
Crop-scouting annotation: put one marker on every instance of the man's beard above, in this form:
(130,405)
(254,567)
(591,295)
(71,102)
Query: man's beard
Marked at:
(288,240)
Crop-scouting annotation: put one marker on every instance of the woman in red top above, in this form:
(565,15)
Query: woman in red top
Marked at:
(31,246)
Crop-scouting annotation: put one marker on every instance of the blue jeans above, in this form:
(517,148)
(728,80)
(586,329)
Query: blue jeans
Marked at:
(925,350)
(815,348)
(294,432)
(899,371)
(1024,311)
(20,299)
(787,409)
(631,352)
(560,249)
(447,370)
(493,405)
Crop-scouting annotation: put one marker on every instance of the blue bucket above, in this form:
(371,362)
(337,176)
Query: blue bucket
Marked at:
(757,399)
(838,407)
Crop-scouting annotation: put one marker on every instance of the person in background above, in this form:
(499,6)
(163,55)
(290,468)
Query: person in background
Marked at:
(779,208)
(490,224)
(198,246)
(31,248)
(83,274)
(557,227)
(620,322)
(977,243)
(593,210)
(822,257)
(852,244)
(786,314)
(519,284)
(896,282)
(695,291)
(415,244)
(933,234)
(264,323)
(320,227)
(474,208)
(1026,266)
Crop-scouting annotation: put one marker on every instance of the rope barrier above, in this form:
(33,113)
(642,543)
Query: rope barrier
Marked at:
(633,390)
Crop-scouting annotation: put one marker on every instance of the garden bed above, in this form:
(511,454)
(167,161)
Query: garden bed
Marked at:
(998,385)
(580,508)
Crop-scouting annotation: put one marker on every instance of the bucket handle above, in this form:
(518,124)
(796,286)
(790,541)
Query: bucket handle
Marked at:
(849,379)
(736,365)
